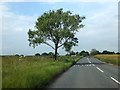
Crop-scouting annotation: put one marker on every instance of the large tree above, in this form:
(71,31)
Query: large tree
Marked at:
(57,26)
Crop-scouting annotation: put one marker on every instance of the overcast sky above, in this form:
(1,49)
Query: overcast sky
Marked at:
(100,31)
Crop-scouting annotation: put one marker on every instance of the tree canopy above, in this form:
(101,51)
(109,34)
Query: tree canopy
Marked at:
(57,26)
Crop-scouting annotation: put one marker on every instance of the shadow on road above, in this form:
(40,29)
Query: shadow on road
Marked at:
(89,63)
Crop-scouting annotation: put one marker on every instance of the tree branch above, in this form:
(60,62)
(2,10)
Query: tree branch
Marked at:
(61,45)
(49,45)
(64,42)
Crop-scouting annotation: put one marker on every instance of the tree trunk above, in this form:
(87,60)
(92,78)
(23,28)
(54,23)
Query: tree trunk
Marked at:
(56,47)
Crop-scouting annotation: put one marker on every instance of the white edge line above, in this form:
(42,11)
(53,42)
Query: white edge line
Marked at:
(115,80)
(99,69)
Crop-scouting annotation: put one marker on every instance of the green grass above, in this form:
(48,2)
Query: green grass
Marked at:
(0,73)
(32,72)
(109,58)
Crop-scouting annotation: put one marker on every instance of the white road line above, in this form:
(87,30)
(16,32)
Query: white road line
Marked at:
(115,80)
(88,60)
(93,64)
(99,69)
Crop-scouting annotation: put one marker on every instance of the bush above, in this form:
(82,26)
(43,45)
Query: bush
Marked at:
(37,54)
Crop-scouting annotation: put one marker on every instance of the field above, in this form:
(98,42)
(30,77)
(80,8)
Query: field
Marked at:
(32,72)
(0,73)
(109,58)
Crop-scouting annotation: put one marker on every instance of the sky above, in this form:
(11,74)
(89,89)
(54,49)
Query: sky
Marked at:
(100,31)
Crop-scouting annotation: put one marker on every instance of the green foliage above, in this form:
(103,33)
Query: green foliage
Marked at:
(94,52)
(107,52)
(44,54)
(51,53)
(37,54)
(32,71)
(68,45)
(84,53)
(72,53)
(57,26)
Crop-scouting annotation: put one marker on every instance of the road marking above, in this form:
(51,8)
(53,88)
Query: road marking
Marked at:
(93,64)
(99,69)
(115,80)
(110,64)
(88,60)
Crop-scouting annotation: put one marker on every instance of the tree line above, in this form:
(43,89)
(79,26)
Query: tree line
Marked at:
(81,53)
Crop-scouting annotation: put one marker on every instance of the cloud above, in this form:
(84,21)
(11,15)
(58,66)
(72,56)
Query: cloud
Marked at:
(59,0)
(16,23)
(101,30)
(14,33)
(3,7)
(14,30)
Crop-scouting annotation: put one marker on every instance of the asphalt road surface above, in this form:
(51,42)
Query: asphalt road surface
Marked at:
(88,73)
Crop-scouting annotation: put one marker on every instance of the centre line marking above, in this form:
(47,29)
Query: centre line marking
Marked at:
(88,60)
(99,69)
(115,80)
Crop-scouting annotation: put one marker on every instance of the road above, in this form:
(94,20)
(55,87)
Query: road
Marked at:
(88,73)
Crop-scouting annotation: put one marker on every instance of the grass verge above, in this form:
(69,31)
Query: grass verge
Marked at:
(32,72)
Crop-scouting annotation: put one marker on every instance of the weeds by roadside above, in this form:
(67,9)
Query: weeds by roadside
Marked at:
(32,72)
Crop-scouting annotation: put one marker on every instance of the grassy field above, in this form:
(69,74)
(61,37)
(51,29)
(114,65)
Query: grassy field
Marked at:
(0,73)
(109,58)
(32,72)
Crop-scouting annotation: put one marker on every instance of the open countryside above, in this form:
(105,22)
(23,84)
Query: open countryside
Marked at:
(65,46)
(38,71)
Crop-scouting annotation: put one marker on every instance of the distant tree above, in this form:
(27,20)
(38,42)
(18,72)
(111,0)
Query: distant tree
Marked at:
(57,26)
(45,54)
(51,53)
(22,55)
(77,53)
(84,53)
(94,52)
(17,55)
(72,53)
(113,52)
(37,54)
(118,53)
(87,53)
(81,53)
(107,52)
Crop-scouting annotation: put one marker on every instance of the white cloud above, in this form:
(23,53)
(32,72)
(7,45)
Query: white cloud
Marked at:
(17,23)
(59,0)
(14,30)
(101,30)
(3,7)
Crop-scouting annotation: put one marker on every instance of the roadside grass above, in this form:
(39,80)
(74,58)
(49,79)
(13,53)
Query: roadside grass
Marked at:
(109,58)
(32,72)
(0,72)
